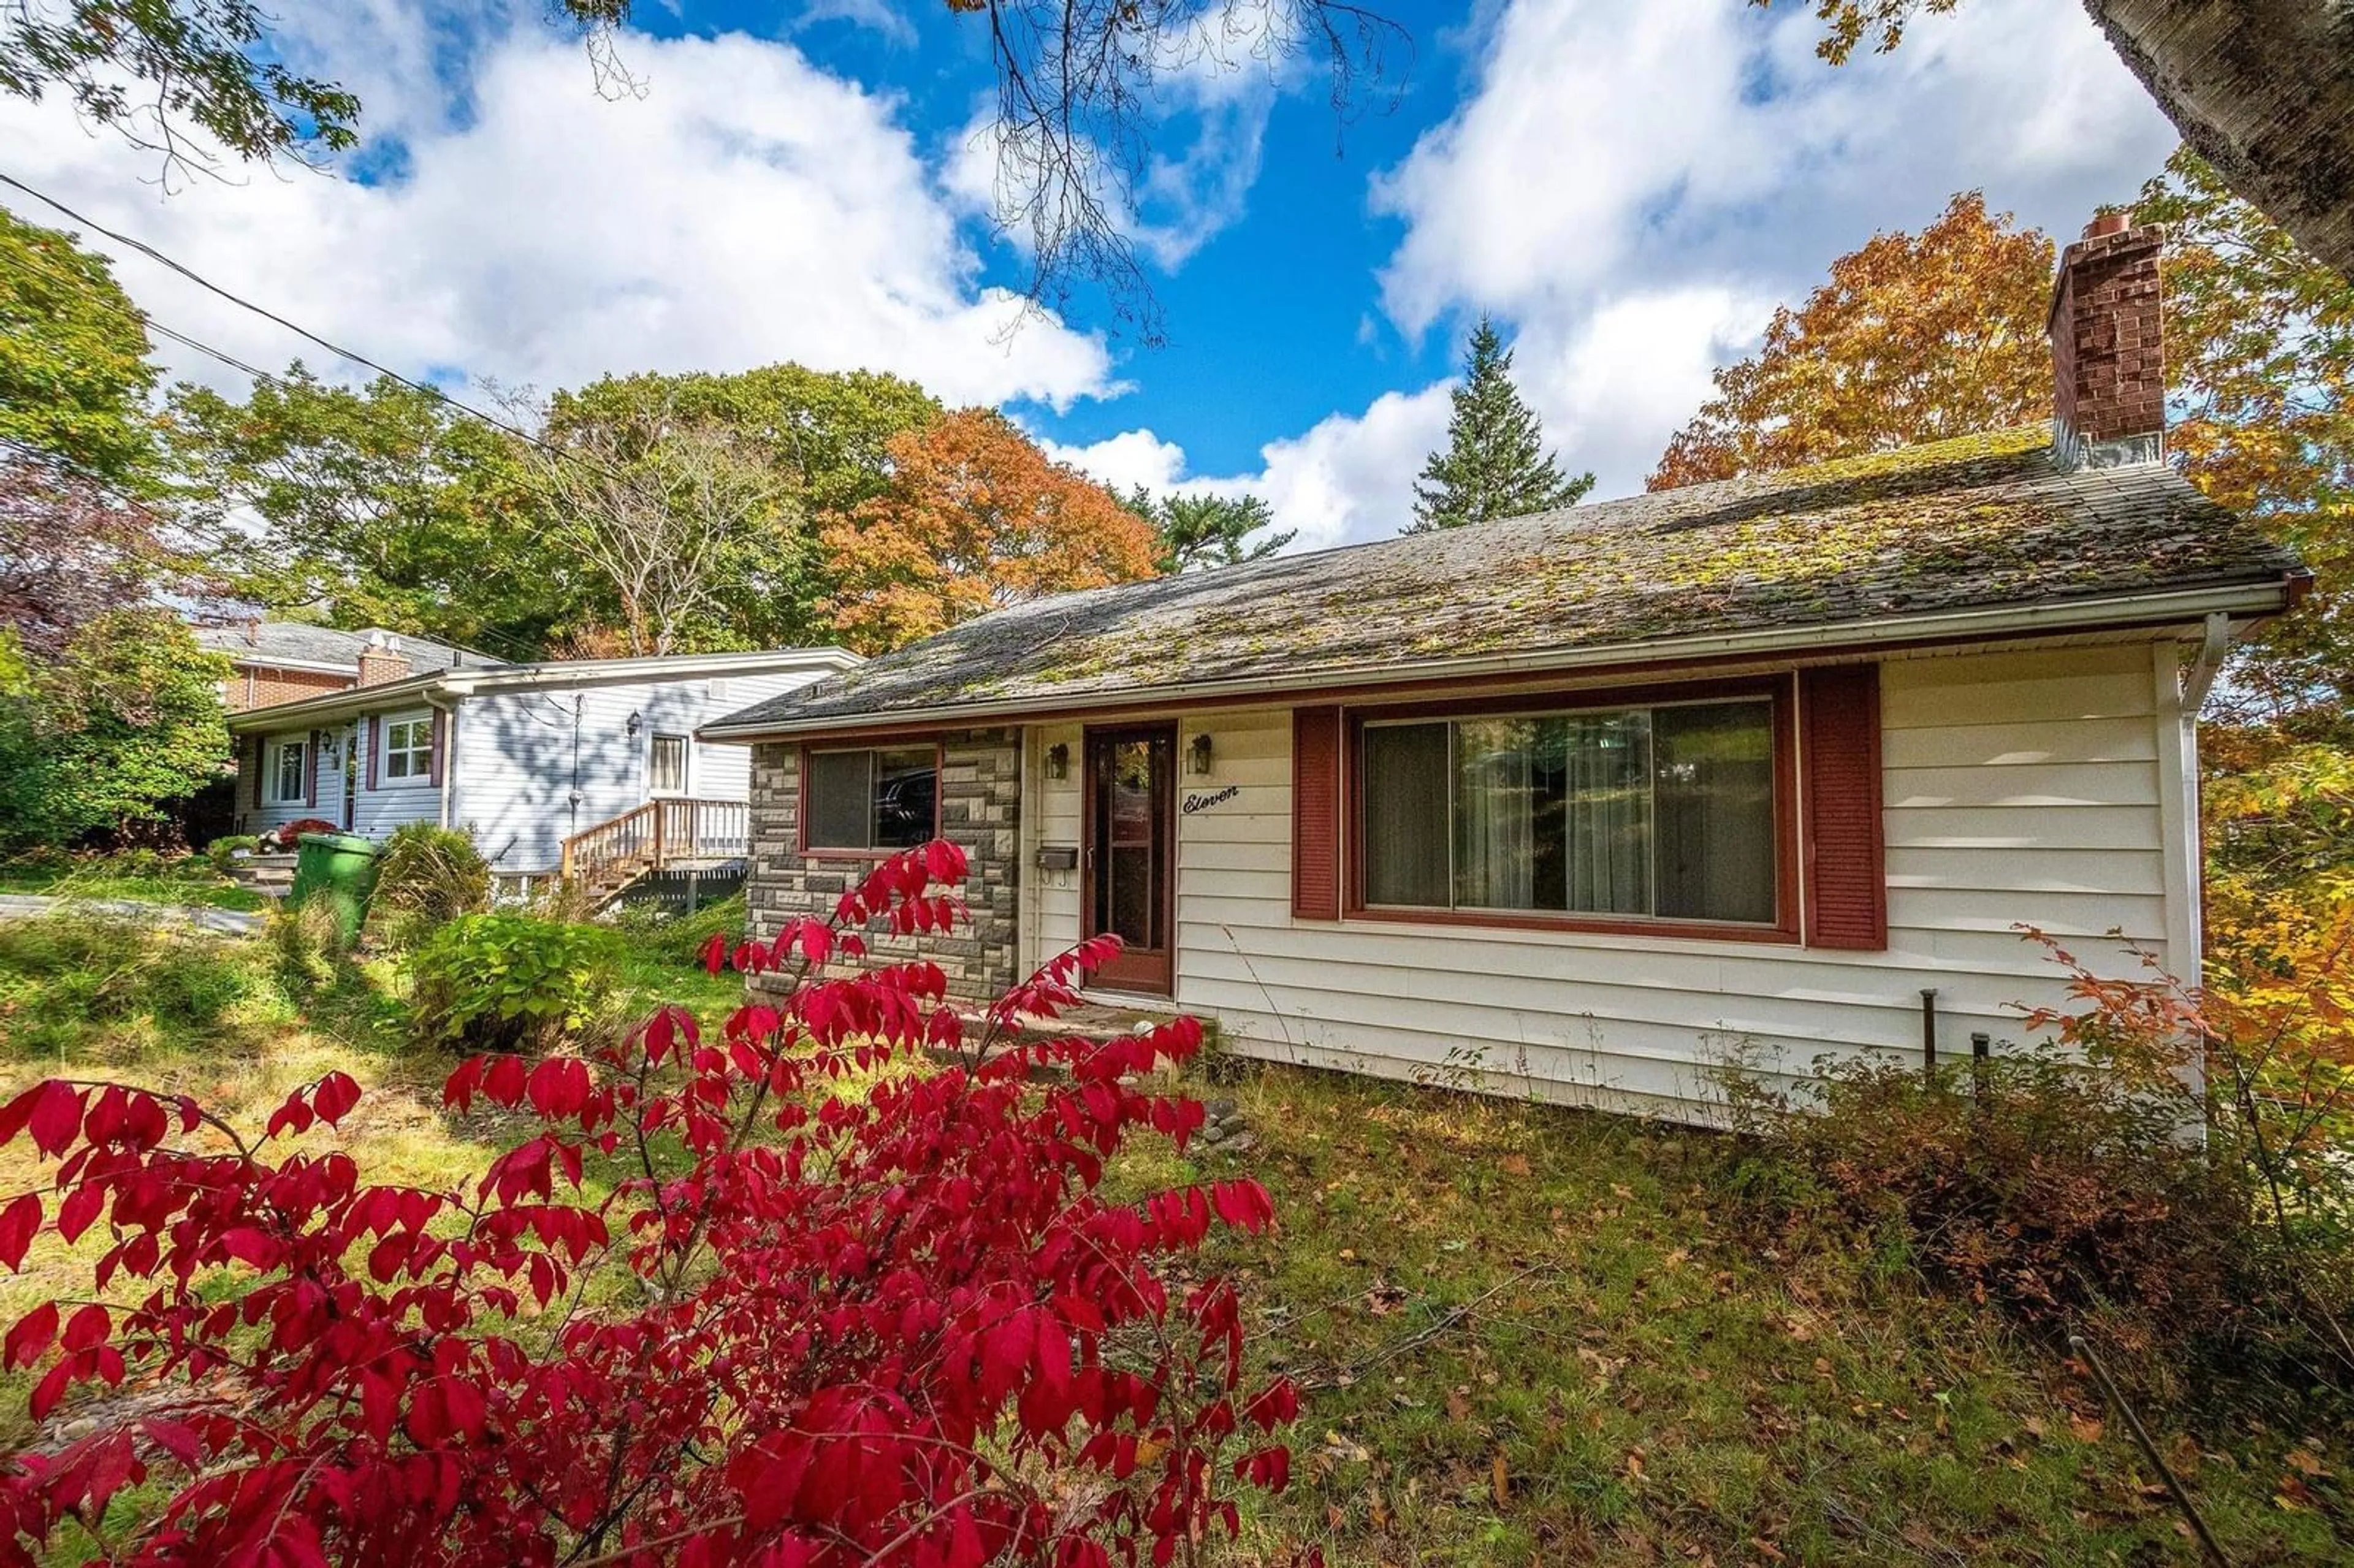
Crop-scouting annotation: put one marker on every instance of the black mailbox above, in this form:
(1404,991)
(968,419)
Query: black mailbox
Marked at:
(1058,857)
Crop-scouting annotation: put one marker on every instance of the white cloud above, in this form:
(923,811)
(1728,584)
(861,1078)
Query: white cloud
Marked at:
(1347,479)
(1629,185)
(877,16)
(747,207)
(1612,143)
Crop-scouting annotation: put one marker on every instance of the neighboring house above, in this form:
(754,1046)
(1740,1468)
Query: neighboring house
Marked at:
(525,756)
(274,662)
(1582,804)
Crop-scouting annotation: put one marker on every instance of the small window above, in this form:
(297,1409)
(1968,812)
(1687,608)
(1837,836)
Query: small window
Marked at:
(1662,812)
(666,773)
(290,782)
(408,747)
(884,799)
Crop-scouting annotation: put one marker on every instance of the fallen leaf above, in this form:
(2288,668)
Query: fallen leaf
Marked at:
(1459,1405)
(2087,1428)
(1500,1481)
(1514,1164)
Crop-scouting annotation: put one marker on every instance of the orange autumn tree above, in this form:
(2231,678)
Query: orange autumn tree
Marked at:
(976,518)
(1916,338)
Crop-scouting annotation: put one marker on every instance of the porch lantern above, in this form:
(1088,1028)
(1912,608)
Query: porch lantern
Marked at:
(1197,756)
(1058,761)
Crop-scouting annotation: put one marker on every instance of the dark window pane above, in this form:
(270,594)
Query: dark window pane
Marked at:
(1131,916)
(907,797)
(1715,792)
(1606,767)
(1405,846)
(1511,827)
(841,799)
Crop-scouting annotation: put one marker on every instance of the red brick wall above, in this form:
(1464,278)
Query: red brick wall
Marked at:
(251,687)
(2108,345)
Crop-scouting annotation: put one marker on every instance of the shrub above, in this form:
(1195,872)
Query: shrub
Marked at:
(2031,1180)
(903,1327)
(510,983)
(2171,1167)
(427,877)
(223,854)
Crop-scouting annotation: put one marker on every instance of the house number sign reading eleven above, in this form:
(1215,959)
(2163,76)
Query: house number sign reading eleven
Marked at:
(1203,803)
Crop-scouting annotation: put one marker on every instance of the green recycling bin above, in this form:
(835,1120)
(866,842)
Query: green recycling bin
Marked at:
(341,869)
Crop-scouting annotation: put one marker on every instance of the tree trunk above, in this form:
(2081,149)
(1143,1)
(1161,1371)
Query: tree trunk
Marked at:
(2264,90)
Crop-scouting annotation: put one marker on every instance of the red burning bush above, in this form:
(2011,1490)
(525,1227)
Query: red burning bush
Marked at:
(805,1328)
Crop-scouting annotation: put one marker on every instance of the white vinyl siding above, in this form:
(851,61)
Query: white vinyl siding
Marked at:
(512,769)
(2018,786)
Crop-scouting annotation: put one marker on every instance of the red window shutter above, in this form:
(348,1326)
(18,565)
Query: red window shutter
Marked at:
(440,739)
(375,739)
(1847,879)
(1316,813)
(310,770)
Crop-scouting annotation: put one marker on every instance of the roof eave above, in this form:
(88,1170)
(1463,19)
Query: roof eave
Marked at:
(441,684)
(2256,598)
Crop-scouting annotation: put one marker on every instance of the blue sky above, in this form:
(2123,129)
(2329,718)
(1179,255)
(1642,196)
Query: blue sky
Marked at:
(1628,186)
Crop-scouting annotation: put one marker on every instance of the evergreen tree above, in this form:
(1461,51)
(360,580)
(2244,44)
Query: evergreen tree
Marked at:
(1495,464)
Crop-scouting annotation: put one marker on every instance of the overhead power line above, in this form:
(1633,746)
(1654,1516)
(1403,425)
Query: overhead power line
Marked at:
(428,389)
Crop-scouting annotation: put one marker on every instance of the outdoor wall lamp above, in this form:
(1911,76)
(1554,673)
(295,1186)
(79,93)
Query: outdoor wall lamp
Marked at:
(1197,756)
(1058,761)
(637,723)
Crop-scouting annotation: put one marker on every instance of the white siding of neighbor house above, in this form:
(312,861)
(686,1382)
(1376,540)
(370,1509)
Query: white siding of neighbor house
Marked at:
(374,813)
(514,756)
(2050,787)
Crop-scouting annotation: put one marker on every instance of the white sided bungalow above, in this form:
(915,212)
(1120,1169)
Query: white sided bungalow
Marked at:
(593,760)
(1578,804)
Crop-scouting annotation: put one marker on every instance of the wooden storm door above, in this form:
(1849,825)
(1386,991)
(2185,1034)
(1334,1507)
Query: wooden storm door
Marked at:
(1131,855)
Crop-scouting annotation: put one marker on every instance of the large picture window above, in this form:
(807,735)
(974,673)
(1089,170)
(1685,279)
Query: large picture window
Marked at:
(1663,812)
(408,747)
(880,799)
(287,780)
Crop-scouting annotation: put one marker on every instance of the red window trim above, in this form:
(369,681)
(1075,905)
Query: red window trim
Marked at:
(801,815)
(1780,690)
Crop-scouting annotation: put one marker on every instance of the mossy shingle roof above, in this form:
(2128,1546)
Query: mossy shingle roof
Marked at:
(1980,522)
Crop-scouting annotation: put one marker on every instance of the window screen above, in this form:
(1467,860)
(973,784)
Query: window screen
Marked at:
(873,799)
(666,772)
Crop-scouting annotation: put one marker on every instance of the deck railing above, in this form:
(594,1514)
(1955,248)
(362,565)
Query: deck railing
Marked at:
(657,834)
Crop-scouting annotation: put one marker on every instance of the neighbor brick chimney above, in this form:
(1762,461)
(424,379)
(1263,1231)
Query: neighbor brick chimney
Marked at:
(381,660)
(2108,347)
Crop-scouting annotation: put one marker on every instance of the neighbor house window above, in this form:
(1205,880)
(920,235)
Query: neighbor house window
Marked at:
(666,773)
(288,781)
(1662,812)
(880,799)
(408,747)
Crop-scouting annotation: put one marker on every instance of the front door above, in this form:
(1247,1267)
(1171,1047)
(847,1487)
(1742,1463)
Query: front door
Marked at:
(1131,854)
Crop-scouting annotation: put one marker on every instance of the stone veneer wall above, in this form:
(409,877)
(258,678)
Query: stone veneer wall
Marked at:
(981,810)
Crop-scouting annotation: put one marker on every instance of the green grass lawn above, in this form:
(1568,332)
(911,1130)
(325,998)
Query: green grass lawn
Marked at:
(1534,1336)
(192,883)
(1528,1336)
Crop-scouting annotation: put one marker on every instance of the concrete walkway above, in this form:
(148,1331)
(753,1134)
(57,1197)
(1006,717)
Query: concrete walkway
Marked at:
(227,922)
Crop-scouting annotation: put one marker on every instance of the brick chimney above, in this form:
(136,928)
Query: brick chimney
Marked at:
(2108,348)
(381,660)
